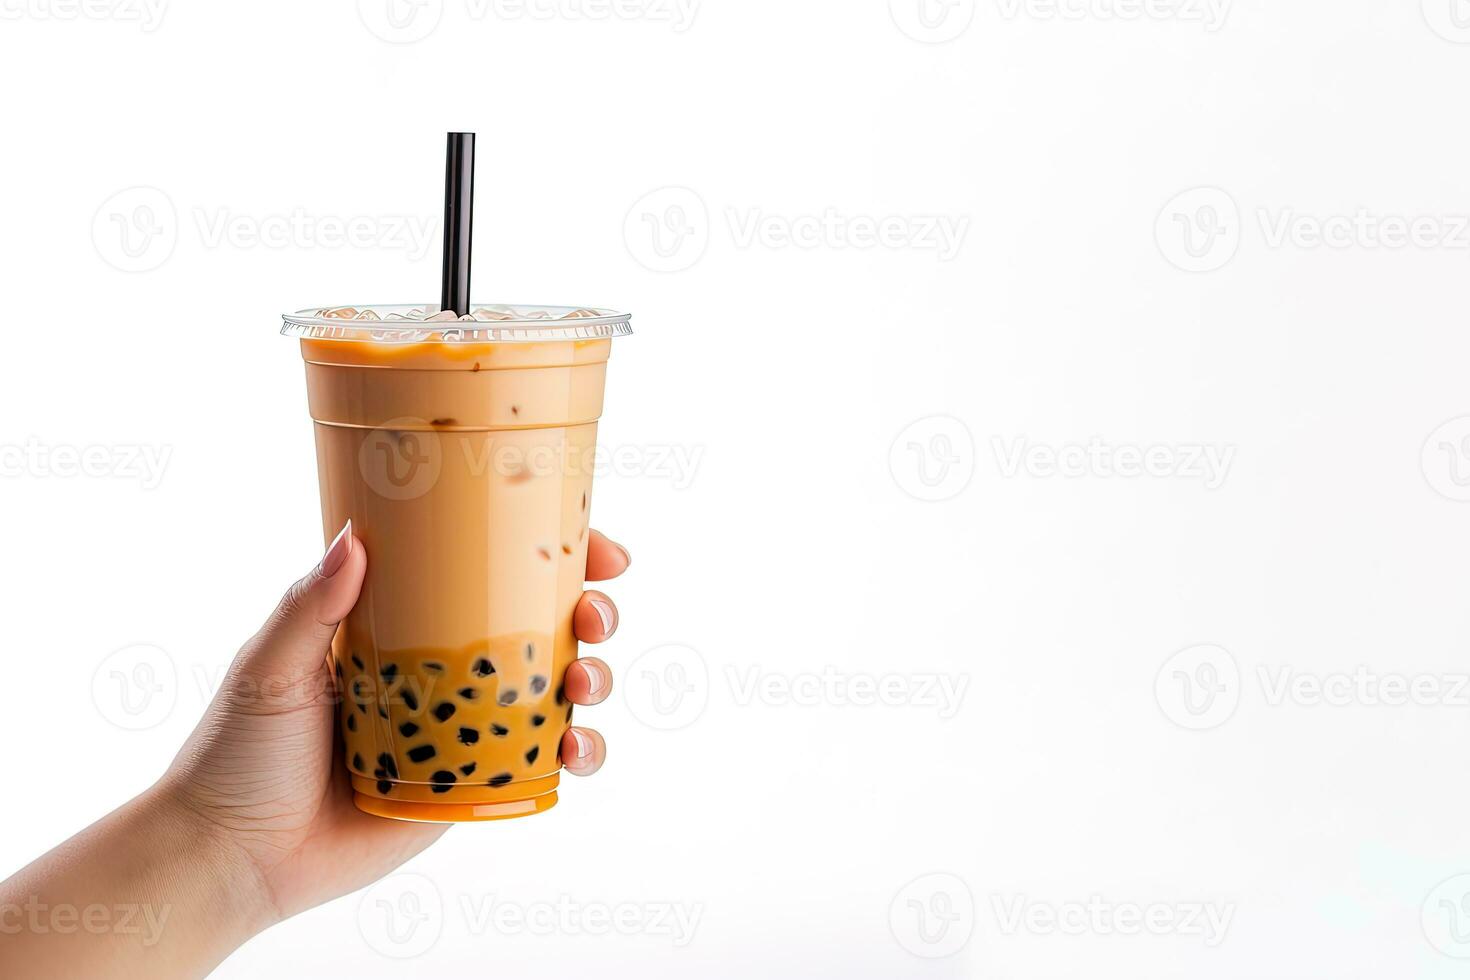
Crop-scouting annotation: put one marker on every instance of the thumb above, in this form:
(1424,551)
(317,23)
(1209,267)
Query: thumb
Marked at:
(298,634)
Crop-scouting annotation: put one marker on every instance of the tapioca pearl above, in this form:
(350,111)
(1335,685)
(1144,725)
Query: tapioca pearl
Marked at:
(538,684)
(532,753)
(410,700)
(389,766)
(380,773)
(443,780)
(499,731)
(433,666)
(422,753)
(530,652)
(389,673)
(469,736)
(468,693)
(483,667)
(507,698)
(385,787)
(444,710)
(538,720)
(561,694)
(408,729)
(352,723)
(468,769)
(357,764)
(337,665)
(382,712)
(500,780)
(569,714)
(357,662)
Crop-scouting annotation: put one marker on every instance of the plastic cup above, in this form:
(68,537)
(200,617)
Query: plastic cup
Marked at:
(462,451)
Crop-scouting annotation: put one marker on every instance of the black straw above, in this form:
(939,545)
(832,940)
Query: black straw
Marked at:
(459,210)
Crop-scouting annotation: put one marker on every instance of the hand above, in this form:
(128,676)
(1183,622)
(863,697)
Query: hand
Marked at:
(254,820)
(262,771)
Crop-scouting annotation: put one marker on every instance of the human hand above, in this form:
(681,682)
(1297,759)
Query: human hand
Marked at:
(262,772)
(254,821)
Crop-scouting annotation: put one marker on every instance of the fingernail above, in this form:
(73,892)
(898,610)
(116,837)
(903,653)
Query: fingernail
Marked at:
(605,613)
(596,677)
(627,558)
(584,746)
(337,551)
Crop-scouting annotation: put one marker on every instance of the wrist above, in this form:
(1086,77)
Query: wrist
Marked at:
(149,891)
(226,889)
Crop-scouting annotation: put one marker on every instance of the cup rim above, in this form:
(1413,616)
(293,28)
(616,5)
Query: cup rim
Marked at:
(402,323)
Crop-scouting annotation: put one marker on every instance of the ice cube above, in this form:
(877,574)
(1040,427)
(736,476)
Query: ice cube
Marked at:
(581,314)
(366,315)
(341,313)
(443,315)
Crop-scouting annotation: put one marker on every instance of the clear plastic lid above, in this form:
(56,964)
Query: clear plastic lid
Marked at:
(425,324)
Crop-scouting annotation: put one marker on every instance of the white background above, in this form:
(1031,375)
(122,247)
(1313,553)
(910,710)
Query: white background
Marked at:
(1135,268)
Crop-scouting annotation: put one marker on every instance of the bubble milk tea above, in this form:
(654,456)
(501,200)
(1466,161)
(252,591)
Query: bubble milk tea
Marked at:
(462,451)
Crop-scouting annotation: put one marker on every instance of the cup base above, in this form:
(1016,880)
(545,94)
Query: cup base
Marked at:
(453,812)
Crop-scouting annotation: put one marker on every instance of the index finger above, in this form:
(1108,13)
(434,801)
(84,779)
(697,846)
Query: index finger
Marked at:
(605,558)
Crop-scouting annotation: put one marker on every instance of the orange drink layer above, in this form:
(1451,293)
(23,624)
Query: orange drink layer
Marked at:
(465,466)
